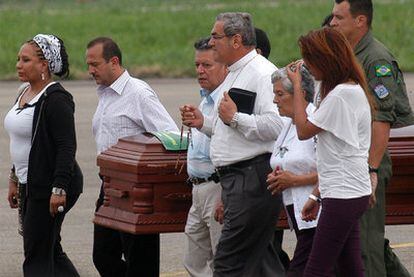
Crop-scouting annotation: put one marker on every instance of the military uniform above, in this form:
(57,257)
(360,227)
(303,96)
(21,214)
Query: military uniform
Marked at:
(386,83)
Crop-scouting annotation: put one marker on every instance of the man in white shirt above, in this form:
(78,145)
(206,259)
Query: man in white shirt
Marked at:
(240,150)
(126,106)
(202,230)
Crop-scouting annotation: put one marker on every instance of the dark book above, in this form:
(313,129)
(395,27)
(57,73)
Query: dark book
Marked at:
(244,99)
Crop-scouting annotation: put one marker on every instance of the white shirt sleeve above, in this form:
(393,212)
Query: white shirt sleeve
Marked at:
(337,117)
(154,116)
(208,121)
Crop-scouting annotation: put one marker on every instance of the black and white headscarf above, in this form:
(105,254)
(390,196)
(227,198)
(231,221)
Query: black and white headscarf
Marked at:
(50,46)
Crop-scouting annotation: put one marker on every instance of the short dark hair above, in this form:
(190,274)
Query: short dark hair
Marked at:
(202,44)
(110,48)
(327,21)
(262,42)
(360,7)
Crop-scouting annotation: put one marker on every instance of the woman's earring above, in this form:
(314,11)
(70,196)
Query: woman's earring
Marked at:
(43,76)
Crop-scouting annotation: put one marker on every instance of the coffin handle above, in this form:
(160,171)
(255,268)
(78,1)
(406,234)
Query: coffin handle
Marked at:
(116,193)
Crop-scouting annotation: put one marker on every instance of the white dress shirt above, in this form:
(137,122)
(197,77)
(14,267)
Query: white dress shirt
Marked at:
(342,148)
(128,107)
(298,157)
(256,133)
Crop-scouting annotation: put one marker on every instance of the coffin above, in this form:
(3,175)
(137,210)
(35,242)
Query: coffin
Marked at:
(145,188)
(146,192)
(399,197)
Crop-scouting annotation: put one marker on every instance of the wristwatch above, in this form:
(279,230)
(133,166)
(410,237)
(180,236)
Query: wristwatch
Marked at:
(58,191)
(372,169)
(315,198)
(234,120)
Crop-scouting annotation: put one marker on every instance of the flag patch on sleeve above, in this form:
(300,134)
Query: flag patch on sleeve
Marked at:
(383,70)
(381,91)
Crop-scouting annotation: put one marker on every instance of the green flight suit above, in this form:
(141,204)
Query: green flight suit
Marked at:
(387,85)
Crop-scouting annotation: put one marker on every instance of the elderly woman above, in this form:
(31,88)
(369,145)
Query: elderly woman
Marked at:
(42,147)
(343,124)
(294,165)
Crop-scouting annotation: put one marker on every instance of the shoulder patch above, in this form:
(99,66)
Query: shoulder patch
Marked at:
(381,91)
(383,70)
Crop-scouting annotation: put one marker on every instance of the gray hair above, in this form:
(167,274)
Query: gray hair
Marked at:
(308,83)
(238,23)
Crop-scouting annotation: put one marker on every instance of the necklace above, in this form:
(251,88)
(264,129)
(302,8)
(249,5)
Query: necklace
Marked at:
(28,95)
(283,149)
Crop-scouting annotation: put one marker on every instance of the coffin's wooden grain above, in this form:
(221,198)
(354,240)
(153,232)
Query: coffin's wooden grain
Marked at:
(146,192)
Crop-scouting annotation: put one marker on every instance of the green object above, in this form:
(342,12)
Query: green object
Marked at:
(172,141)
(393,107)
(390,93)
(156,23)
(383,70)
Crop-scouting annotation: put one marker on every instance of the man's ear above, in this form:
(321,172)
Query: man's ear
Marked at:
(114,60)
(237,41)
(361,20)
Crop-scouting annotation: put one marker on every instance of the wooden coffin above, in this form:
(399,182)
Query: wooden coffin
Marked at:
(145,188)
(399,196)
(146,192)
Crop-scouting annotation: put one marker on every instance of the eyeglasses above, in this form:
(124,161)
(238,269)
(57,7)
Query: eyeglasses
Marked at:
(217,36)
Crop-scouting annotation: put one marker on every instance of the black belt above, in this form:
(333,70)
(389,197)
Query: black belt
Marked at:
(223,170)
(196,181)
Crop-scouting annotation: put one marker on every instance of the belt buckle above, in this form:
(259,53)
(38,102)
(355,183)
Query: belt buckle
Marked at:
(189,182)
(215,177)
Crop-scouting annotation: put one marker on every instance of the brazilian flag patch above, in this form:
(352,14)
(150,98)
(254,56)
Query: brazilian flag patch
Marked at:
(383,70)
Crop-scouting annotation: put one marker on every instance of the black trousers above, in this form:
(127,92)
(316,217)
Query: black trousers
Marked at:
(246,245)
(44,256)
(277,244)
(140,252)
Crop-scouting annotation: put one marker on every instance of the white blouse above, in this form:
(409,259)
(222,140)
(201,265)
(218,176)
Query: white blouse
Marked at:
(298,157)
(342,149)
(18,124)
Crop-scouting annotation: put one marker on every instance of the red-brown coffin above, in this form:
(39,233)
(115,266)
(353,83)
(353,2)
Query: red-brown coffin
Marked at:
(399,196)
(145,189)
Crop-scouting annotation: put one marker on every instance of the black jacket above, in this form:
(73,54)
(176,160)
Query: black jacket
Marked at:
(52,156)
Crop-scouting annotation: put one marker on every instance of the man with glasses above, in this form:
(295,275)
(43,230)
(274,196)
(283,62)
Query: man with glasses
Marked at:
(240,149)
(202,230)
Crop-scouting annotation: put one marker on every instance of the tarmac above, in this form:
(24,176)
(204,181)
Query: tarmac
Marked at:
(77,233)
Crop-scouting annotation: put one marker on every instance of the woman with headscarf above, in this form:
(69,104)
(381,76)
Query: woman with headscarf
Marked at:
(342,123)
(45,180)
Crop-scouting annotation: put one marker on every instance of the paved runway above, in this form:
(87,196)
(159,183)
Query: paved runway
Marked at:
(77,229)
